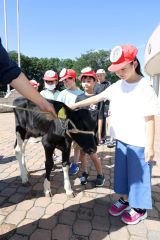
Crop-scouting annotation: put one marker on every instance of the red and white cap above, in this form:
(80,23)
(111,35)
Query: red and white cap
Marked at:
(121,56)
(50,75)
(67,73)
(87,72)
(99,71)
(34,83)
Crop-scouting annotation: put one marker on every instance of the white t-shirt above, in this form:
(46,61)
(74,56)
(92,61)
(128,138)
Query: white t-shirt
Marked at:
(49,94)
(68,96)
(129,104)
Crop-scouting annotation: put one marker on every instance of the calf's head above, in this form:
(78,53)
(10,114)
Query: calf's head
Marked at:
(80,126)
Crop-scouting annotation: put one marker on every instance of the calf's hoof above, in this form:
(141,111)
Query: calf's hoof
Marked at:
(48,194)
(26,184)
(72,195)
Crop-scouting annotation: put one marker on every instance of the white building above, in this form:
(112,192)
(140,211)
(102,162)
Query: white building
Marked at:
(152,60)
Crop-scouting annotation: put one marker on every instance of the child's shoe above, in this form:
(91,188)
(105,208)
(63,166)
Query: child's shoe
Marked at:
(102,142)
(100,180)
(134,216)
(119,207)
(84,178)
(111,144)
(74,168)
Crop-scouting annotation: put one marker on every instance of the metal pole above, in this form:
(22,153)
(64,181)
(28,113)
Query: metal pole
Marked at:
(5,26)
(18,35)
(6,37)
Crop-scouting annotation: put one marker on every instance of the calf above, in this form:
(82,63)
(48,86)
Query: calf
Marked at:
(56,133)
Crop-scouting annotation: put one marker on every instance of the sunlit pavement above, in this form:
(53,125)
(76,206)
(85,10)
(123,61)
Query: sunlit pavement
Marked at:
(26,214)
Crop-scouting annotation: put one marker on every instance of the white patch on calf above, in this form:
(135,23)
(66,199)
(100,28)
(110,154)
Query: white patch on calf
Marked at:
(47,188)
(20,155)
(67,185)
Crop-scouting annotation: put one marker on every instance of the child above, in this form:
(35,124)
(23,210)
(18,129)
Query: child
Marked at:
(68,96)
(133,106)
(50,84)
(88,79)
(101,86)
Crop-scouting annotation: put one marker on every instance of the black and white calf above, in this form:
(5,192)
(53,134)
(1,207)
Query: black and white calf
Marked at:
(55,133)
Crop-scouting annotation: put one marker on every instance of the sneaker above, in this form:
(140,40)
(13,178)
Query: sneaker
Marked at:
(100,143)
(119,207)
(104,141)
(74,168)
(110,144)
(133,217)
(100,180)
(84,178)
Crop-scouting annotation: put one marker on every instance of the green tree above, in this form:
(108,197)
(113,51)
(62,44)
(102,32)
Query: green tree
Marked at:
(95,60)
(34,68)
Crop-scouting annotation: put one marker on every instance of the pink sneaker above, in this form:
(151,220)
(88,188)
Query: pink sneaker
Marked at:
(133,217)
(118,207)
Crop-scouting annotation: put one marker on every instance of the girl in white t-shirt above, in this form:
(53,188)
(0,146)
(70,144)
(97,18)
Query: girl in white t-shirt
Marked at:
(134,105)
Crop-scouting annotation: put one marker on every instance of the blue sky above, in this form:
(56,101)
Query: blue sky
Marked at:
(69,28)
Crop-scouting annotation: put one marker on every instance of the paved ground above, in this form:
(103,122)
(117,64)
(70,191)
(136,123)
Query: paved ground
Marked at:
(26,214)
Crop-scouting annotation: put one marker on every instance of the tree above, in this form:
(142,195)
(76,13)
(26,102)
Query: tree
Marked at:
(95,60)
(34,68)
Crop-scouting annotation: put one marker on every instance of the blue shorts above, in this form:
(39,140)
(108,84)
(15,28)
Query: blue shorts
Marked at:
(132,175)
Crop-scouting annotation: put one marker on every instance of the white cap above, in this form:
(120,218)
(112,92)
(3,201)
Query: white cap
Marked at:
(100,71)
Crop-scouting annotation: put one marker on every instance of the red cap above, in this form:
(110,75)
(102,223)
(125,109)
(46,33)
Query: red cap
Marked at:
(34,83)
(67,73)
(50,75)
(87,72)
(121,56)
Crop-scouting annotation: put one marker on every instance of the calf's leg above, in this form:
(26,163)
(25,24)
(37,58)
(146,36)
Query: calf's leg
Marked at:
(20,155)
(65,167)
(48,166)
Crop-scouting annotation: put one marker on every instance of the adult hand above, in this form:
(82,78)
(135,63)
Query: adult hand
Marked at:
(45,106)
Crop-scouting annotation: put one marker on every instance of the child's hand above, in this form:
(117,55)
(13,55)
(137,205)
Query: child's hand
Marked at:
(72,106)
(149,154)
(99,138)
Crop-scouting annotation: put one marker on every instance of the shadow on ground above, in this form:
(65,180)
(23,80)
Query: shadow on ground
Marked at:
(4,160)
(84,217)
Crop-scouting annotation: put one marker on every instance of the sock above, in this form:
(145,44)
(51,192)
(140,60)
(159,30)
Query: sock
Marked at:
(123,201)
(139,210)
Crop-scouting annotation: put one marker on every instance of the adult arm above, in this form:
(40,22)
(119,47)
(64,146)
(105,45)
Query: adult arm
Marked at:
(8,68)
(22,85)
(10,73)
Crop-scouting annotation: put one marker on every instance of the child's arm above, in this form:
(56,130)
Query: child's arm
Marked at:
(87,102)
(150,132)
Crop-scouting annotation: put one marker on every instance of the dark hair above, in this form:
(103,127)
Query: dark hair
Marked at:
(138,68)
(84,77)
